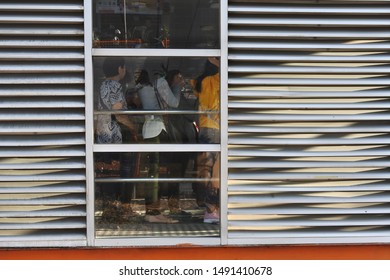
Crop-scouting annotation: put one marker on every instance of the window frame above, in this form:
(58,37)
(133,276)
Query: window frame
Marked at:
(92,148)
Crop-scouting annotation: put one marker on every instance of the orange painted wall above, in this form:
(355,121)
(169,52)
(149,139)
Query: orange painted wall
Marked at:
(353,252)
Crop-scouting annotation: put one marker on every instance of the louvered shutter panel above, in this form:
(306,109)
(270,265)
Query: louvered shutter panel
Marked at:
(308,121)
(42,124)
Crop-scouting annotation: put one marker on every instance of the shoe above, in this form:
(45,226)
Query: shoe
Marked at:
(211,218)
(160,219)
(180,215)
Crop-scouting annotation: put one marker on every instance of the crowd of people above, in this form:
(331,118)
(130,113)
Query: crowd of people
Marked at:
(164,93)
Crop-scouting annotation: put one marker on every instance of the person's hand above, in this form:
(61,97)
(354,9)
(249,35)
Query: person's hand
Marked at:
(178,80)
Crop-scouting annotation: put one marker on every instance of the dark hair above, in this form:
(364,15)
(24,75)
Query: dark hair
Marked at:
(171,75)
(143,78)
(111,65)
(209,70)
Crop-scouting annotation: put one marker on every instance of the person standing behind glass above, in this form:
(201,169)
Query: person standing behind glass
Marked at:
(177,161)
(207,86)
(108,126)
(153,132)
(111,97)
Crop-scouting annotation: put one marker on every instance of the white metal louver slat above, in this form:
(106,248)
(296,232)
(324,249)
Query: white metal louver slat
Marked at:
(42,124)
(308,121)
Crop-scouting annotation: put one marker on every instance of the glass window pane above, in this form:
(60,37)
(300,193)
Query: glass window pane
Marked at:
(188,24)
(151,97)
(157,194)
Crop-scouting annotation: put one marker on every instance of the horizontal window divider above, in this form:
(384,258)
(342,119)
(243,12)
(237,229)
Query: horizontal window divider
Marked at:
(146,180)
(156,147)
(156,112)
(156,52)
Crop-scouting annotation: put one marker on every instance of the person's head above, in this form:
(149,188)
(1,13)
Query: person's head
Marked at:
(211,68)
(174,77)
(114,66)
(143,78)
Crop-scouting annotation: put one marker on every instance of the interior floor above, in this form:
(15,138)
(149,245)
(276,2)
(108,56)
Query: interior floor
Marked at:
(116,219)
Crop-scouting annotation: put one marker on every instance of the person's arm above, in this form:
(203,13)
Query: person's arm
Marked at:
(170,96)
(176,93)
(125,120)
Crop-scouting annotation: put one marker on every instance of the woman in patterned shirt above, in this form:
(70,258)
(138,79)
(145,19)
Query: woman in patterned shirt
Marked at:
(108,126)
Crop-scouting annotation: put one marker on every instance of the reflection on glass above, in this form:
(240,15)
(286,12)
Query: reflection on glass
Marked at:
(139,99)
(186,24)
(157,194)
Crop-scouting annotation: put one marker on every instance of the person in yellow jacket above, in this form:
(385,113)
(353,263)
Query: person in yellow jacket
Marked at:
(207,87)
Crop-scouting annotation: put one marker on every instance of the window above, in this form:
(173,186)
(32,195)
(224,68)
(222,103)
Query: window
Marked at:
(176,24)
(148,184)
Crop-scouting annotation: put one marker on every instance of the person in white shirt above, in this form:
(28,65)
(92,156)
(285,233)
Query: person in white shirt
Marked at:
(153,132)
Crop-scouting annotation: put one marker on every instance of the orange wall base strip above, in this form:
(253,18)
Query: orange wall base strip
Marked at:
(350,252)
